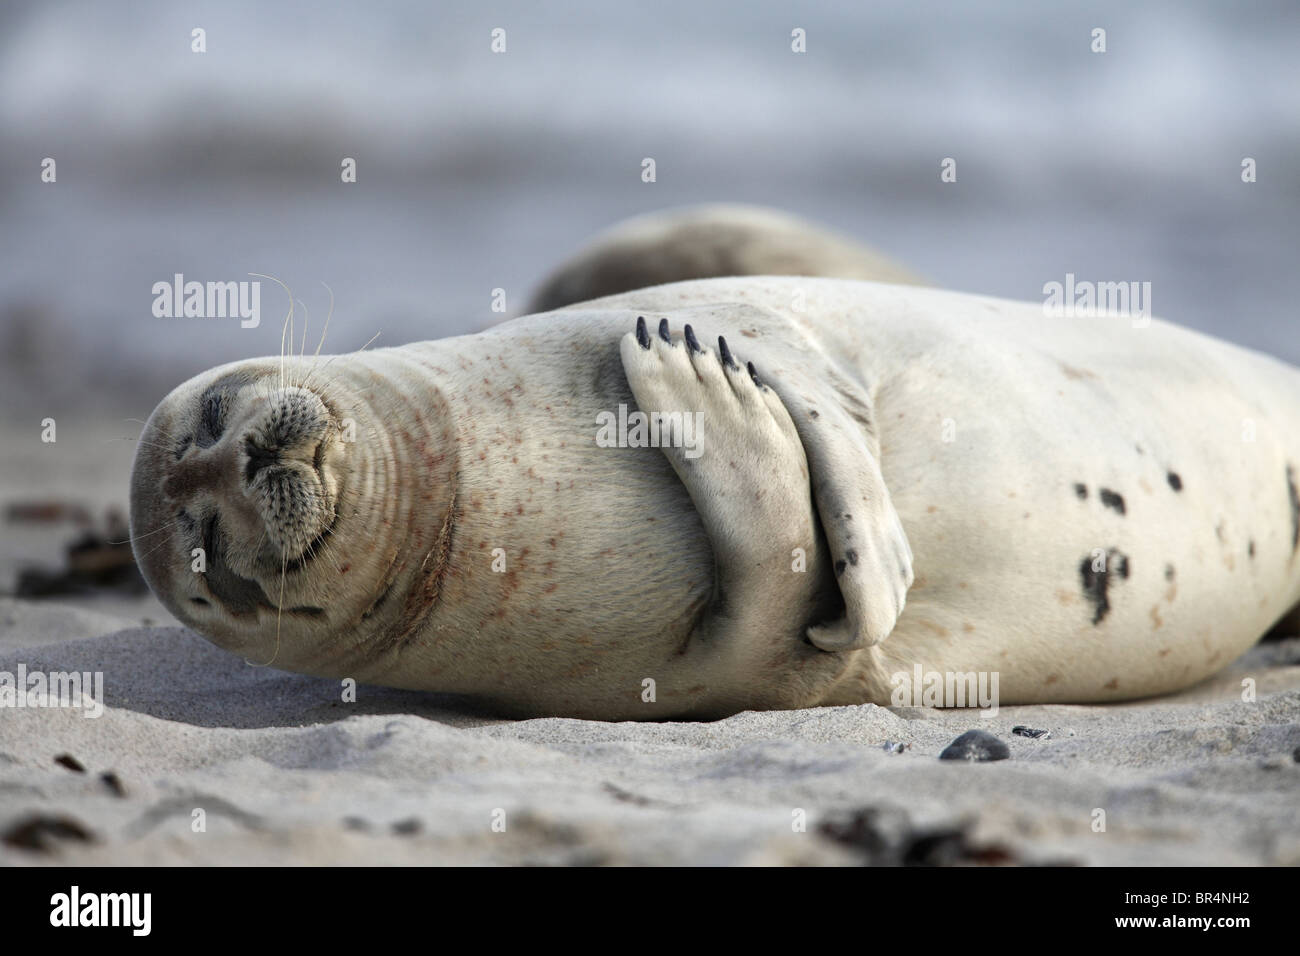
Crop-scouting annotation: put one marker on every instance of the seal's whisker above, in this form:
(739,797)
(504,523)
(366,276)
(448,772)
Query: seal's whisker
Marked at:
(152,444)
(303,350)
(143,425)
(139,558)
(314,553)
(132,539)
(279,612)
(288,317)
(316,356)
(362,349)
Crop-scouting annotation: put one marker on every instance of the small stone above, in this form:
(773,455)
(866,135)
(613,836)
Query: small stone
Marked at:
(71,762)
(41,834)
(1295,755)
(895,748)
(407,827)
(1024,731)
(976,745)
(113,782)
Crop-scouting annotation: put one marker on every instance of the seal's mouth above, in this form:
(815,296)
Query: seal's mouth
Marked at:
(314,548)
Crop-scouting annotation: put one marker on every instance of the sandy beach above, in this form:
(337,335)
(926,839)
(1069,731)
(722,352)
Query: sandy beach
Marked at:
(285,772)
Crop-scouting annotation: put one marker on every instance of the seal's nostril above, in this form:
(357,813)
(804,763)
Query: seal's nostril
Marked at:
(258,458)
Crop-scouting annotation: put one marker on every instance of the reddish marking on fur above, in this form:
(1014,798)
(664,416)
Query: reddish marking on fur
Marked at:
(1076,373)
(1112,684)
(933,627)
(426,592)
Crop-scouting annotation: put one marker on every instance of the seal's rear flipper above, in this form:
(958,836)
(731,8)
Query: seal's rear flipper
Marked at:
(869,550)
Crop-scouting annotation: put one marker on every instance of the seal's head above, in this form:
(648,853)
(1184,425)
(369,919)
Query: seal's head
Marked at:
(457,516)
(260,514)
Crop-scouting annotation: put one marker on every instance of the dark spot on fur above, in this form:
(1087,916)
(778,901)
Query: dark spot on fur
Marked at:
(1175,482)
(852,556)
(839,567)
(1081,491)
(1096,583)
(1169,572)
(814,413)
(1112,500)
(1250,549)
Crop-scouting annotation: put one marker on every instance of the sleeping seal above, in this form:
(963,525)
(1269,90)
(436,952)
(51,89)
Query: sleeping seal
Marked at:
(846,480)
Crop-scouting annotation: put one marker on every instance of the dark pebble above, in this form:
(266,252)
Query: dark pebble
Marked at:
(886,837)
(113,782)
(41,834)
(979,745)
(407,827)
(1023,731)
(71,762)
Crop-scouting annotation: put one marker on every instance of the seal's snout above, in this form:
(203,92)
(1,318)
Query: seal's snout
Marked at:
(285,469)
(291,428)
(288,419)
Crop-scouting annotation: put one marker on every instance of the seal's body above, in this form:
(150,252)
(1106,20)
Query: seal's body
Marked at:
(709,241)
(905,478)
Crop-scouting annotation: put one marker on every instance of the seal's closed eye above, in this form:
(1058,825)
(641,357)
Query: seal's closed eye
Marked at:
(212,418)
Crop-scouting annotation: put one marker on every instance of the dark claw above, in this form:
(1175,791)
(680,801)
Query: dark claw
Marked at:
(663,331)
(692,342)
(642,336)
(753,374)
(725,352)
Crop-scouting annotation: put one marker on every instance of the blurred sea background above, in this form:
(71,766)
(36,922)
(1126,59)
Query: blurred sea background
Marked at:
(479,170)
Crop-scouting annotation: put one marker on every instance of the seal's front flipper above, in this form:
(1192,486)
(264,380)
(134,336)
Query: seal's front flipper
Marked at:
(746,473)
(871,557)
